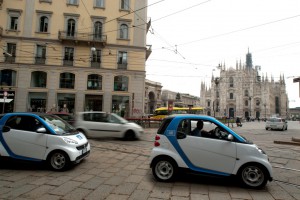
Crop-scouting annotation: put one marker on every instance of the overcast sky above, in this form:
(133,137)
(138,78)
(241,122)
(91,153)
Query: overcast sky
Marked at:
(190,38)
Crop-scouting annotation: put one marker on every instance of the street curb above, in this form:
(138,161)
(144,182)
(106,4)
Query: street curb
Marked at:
(287,142)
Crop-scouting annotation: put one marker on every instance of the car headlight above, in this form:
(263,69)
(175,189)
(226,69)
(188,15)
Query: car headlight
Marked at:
(70,141)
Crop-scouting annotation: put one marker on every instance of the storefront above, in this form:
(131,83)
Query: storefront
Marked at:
(93,103)
(37,101)
(65,102)
(120,105)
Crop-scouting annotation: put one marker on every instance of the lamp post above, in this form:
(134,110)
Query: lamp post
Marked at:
(250,107)
(265,111)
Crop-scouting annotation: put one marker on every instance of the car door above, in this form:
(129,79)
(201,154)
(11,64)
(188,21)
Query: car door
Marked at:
(210,155)
(22,139)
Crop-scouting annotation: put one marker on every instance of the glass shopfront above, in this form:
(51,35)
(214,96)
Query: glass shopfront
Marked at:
(66,102)
(93,102)
(37,102)
(120,105)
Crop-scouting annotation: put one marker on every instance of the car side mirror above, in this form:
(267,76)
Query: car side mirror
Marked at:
(41,130)
(230,137)
(5,129)
(181,135)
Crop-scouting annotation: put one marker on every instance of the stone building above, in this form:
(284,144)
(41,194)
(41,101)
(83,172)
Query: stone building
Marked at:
(73,55)
(179,99)
(152,96)
(244,92)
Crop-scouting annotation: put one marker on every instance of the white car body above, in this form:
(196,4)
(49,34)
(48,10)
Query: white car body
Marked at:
(40,145)
(97,124)
(225,154)
(276,123)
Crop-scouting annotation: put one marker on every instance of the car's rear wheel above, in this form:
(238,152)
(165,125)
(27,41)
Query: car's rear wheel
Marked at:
(164,169)
(253,176)
(129,135)
(59,161)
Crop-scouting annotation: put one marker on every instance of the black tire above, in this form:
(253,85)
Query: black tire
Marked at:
(129,135)
(253,175)
(59,161)
(164,169)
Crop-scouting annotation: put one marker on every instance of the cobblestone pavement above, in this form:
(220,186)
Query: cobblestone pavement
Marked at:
(120,170)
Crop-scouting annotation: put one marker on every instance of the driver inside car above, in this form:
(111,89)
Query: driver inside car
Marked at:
(199,132)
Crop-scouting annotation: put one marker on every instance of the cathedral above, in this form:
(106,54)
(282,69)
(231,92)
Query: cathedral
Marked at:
(244,92)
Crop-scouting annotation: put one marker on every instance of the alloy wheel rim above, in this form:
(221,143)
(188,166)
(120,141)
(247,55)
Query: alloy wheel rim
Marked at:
(253,176)
(164,170)
(58,161)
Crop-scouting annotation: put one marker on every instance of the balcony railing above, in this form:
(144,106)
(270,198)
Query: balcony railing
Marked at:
(83,38)
(39,60)
(122,65)
(10,59)
(68,62)
(95,64)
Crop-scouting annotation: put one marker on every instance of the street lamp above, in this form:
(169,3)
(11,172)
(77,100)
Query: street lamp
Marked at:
(265,111)
(250,107)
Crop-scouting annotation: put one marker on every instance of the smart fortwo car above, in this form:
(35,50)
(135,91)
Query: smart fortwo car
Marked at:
(42,137)
(220,151)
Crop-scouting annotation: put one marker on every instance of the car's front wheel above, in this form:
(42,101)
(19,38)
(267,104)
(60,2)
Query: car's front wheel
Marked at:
(253,176)
(164,169)
(59,161)
(129,135)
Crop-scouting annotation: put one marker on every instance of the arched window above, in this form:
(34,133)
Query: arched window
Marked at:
(38,79)
(94,82)
(231,95)
(121,83)
(71,27)
(246,102)
(257,102)
(97,30)
(8,77)
(124,31)
(230,82)
(44,24)
(67,80)
(246,93)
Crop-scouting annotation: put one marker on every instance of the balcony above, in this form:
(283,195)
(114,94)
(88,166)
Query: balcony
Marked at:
(10,59)
(95,64)
(68,62)
(40,60)
(82,38)
(122,65)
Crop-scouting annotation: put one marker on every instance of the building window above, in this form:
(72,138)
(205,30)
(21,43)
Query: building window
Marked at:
(38,79)
(208,104)
(69,56)
(120,105)
(99,3)
(96,59)
(71,25)
(122,60)
(230,82)
(97,30)
(67,80)
(217,94)
(246,102)
(231,95)
(124,31)
(40,57)
(121,83)
(8,77)
(11,49)
(14,19)
(73,2)
(94,82)
(257,102)
(246,93)
(124,4)
(44,21)
(66,102)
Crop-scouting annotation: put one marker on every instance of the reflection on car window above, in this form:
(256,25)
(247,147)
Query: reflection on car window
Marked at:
(59,126)
(25,123)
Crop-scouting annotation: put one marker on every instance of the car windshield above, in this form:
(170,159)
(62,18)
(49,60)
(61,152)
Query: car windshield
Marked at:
(58,125)
(117,119)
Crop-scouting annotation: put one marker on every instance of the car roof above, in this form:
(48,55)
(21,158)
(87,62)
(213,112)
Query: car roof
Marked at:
(191,116)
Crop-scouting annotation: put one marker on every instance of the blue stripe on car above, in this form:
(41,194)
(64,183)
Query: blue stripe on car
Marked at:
(173,139)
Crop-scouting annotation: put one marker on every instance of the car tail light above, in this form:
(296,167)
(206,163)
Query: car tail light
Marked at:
(156,143)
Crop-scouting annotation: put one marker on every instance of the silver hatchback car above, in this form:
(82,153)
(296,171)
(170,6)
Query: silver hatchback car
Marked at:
(96,124)
(276,123)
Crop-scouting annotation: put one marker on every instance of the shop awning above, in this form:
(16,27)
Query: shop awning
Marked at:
(6,100)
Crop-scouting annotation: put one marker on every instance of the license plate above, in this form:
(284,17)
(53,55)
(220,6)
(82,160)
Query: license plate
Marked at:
(84,150)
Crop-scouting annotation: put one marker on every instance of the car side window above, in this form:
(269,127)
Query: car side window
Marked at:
(184,126)
(25,123)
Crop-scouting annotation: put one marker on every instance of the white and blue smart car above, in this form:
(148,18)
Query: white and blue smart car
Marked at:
(41,137)
(217,151)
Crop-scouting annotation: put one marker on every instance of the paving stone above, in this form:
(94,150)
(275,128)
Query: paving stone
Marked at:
(179,198)
(48,197)
(278,193)
(117,197)
(134,178)
(199,197)
(83,177)
(59,180)
(239,193)
(161,192)
(77,194)
(115,180)
(100,193)
(182,191)
(18,191)
(261,195)
(65,188)
(39,191)
(218,195)
(125,188)
(93,183)
(139,194)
